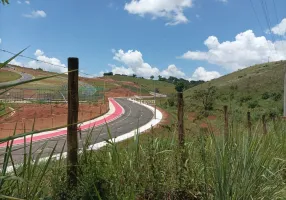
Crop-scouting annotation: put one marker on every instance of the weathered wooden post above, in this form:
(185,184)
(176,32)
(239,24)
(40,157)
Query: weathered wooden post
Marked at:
(73,104)
(226,131)
(249,123)
(264,125)
(181,119)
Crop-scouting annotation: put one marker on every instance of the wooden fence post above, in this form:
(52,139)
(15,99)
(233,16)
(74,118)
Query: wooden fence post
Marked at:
(73,104)
(226,131)
(181,119)
(264,125)
(249,123)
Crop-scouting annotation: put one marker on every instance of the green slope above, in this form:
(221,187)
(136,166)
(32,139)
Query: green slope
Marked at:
(147,84)
(6,76)
(257,88)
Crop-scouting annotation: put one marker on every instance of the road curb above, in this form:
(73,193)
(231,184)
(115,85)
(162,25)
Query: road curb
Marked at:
(115,111)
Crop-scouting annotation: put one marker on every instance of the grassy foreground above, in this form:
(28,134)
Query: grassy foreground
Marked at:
(152,166)
(6,76)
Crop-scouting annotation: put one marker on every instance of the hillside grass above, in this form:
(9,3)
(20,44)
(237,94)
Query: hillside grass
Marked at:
(258,89)
(6,76)
(147,84)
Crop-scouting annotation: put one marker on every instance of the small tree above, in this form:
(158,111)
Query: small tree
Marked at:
(134,75)
(206,97)
(180,86)
(152,77)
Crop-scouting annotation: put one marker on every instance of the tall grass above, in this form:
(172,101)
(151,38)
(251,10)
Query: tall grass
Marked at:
(150,167)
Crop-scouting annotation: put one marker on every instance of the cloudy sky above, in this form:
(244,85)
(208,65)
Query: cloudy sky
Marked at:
(192,39)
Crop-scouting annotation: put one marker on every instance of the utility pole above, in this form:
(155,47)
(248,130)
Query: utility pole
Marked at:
(154,100)
(72,142)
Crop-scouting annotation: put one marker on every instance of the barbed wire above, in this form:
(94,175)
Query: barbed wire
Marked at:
(45,62)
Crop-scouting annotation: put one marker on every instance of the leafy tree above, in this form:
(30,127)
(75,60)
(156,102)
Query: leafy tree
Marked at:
(180,87)
(152,77)
(108,74)
(206,97)
(134,75)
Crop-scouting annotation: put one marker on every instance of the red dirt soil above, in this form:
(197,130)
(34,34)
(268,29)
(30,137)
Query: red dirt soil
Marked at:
(52,115)
(46,116)
(119,92)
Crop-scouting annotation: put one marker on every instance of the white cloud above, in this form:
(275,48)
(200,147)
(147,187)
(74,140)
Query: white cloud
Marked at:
(27,2)
(15,62)
(36,14)
(280,29)
(133,63)
(39,52)
(173,10)
(0,40)
(133,60)
(202,74)
(172,70)
(56,66)
(121,70)
(244,51)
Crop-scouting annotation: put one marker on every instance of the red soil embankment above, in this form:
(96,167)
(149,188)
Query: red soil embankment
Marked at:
(45,116)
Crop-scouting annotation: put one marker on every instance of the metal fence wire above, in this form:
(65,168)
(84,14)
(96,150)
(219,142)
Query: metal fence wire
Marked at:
(50,95)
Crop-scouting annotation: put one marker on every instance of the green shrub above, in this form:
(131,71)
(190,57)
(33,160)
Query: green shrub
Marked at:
(245,99)
(265,95)
(276,96)
(253,104)
(171,102)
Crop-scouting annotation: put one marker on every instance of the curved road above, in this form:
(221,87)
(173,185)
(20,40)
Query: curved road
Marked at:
(134,117)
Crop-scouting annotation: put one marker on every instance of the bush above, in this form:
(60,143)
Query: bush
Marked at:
(245,99)
(171,102)
(276,96)
(265,95)
(253,104)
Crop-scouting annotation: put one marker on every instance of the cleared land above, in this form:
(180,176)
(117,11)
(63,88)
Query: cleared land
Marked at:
(6,76)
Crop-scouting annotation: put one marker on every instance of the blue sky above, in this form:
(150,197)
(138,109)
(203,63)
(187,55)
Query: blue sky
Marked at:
(193,39)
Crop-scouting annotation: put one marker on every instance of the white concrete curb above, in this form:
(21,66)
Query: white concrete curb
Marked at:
(96,146)
(152,123)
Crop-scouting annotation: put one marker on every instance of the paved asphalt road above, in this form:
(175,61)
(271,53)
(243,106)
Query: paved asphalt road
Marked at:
(25,77)
(135,116)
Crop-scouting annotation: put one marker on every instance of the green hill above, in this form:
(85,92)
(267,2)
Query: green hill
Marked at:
(258,88)
(6,76)
(147,84)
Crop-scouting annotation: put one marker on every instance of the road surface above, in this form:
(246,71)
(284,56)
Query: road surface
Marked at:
(134,117)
